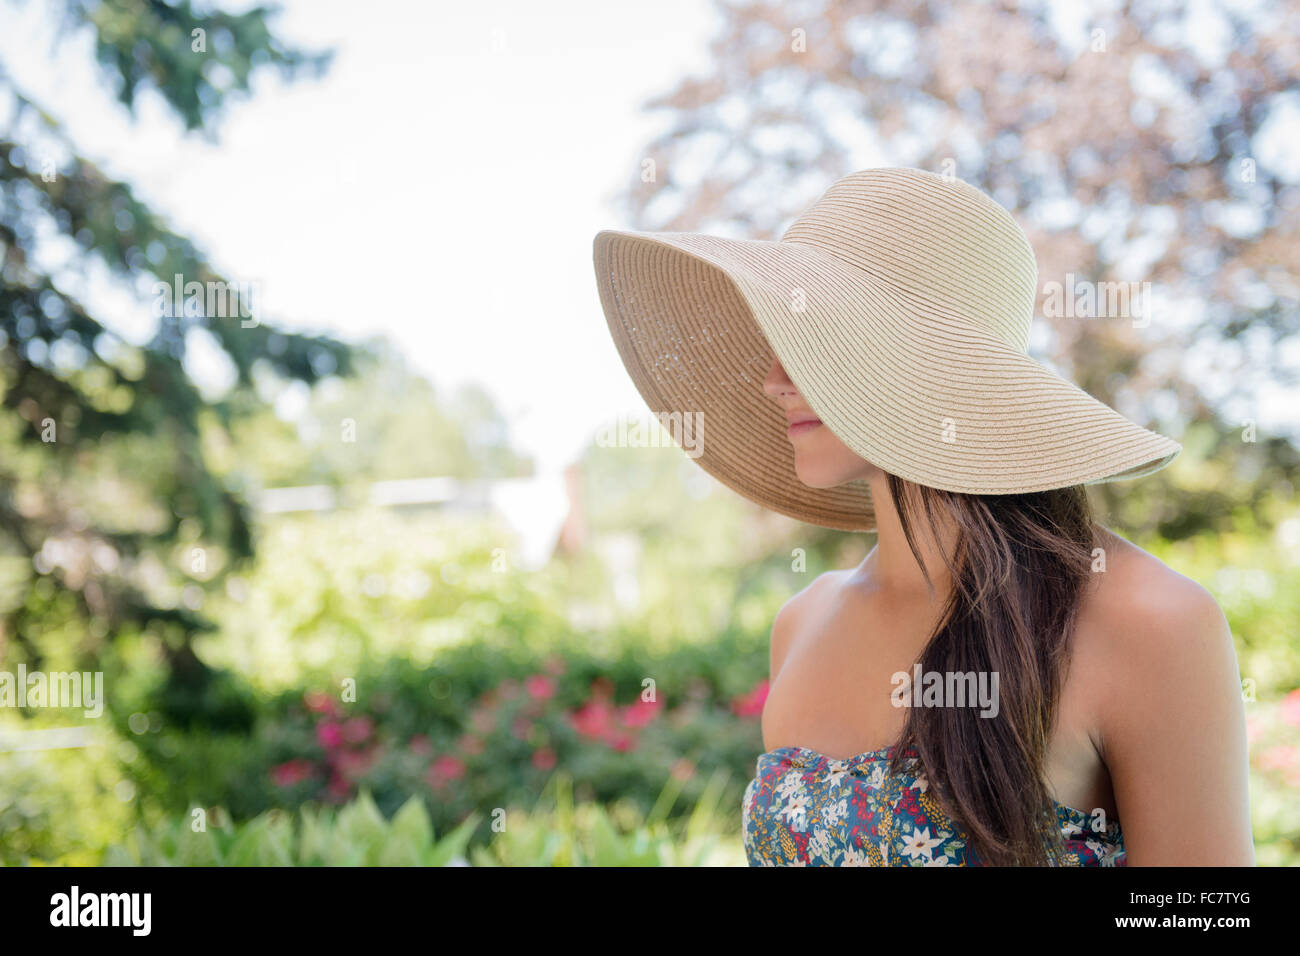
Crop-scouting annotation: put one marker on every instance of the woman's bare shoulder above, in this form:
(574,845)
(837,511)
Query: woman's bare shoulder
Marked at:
(1147,634)
(1164,692)
(1136,595)
(786,625)
(818,589)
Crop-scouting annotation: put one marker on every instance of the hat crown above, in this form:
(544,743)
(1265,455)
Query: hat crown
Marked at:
(934,237)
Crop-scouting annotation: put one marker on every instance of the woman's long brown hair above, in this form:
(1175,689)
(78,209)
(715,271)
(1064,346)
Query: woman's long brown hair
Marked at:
(1019,571)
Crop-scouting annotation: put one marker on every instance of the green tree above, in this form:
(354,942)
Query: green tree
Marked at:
(111,518)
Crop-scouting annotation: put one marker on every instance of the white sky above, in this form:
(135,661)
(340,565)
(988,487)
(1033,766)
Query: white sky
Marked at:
(427,186)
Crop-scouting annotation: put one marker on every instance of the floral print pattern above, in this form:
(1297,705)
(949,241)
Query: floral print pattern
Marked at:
(807,809)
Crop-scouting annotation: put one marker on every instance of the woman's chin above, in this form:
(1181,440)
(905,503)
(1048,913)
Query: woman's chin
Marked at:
(817,478)
(830,467)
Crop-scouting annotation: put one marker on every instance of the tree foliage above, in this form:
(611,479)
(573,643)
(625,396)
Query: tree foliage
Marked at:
(111,517)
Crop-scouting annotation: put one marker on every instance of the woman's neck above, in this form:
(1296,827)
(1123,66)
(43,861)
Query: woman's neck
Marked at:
(891,566)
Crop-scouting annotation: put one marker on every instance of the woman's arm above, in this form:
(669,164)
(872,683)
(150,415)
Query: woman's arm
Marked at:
(1173,731)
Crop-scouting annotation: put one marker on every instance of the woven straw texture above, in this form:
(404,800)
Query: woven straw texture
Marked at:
(899,305)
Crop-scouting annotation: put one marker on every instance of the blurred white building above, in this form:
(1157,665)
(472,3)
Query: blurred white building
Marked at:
(545,509)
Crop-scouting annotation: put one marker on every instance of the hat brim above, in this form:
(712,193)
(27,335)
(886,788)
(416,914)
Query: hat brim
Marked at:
(916,390)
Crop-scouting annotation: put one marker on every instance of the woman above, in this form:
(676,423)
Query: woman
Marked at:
(1001,680)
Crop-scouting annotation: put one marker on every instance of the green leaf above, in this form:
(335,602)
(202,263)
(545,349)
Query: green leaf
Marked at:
(362,828)
(412,823)
(454,843)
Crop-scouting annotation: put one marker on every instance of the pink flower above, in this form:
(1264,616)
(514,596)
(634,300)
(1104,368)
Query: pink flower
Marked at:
(622,742)
(444,769)
(354,763)
(592,719)
(471,744)
(751,704)
(356,730)
(1291,708)
(544,758)
(540,687)
(640,713)
(329,734)
(291,772)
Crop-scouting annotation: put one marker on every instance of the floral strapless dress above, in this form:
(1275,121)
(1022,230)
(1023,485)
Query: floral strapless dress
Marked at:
(807,809)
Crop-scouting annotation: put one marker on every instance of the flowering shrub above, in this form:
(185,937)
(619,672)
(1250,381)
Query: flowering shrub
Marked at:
(1273,732)
(524,726)
(465,740)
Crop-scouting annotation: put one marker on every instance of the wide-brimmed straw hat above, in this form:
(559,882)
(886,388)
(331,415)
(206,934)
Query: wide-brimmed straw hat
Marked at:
(899,305)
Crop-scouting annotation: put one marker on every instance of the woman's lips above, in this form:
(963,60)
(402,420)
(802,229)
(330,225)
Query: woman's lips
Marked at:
(800,427)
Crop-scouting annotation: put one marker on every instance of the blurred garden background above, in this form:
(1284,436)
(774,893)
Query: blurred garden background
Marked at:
(363,580)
